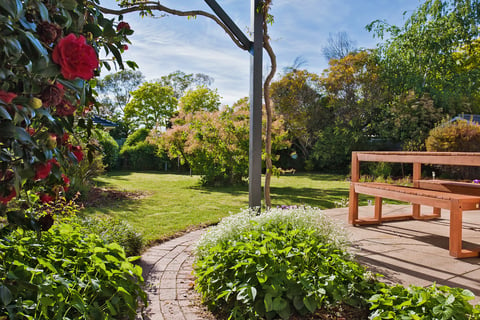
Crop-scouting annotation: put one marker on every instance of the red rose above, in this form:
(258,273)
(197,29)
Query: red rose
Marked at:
(66,182)
(7,198)
(45,198)
(52,95)
(65,108)
(77,152)
(75,57)
(123,25)
(42,170)
(7,97)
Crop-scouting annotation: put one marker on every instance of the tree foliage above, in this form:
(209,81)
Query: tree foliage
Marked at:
(202,98)
(298,99)
(423,54)
(151,106)
(215,144)
(181,82)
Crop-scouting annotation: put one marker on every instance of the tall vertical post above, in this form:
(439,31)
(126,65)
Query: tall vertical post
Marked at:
(256,93)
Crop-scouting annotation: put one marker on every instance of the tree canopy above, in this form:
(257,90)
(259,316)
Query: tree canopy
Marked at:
(151,106)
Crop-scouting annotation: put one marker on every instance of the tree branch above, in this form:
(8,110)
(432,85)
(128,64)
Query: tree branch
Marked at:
(151,6)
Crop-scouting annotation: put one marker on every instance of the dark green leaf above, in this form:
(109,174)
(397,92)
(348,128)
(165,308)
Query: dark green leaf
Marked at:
(5,295)
(12,7)
(4,113)
(42,9)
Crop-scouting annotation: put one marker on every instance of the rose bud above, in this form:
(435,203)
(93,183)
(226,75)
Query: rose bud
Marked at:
(35,103)
(48,32)
(52,95)
(52,141)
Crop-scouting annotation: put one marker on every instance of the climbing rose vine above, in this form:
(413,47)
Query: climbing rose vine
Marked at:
(49,61)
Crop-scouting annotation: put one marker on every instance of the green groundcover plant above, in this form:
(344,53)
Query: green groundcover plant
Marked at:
(292,262)
(64,274)
(281,263)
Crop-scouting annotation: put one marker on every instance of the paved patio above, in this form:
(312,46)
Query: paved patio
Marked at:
(405,252)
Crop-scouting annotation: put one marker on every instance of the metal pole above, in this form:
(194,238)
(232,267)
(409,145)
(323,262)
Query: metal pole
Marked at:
(256,65)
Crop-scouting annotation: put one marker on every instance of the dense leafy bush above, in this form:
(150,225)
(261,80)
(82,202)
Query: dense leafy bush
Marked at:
(456,136)
(110,150)
(415,302)
(142,156)
(65,274)
(135,138)
(275,265)
(114,230)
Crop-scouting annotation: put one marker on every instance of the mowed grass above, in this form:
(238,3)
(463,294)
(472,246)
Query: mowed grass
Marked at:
(173,203)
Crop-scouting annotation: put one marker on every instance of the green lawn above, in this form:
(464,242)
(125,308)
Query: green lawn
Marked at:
(174,202)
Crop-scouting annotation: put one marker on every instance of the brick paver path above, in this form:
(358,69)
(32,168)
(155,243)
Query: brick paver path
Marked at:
(167,270)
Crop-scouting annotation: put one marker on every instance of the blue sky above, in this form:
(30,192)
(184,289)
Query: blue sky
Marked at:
(301,28)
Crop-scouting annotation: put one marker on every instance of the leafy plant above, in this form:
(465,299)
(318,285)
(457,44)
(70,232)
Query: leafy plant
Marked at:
(65,274)
(276,269)
(398,302)
(110,150)
(114,230)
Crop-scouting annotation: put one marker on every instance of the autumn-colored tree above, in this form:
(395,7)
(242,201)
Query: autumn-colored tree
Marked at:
(215,144)
(151,106)
(298,99)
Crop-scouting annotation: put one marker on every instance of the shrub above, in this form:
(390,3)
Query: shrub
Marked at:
(456,136)
(65,274)
(110,149)
(114,230)
(415,302)
(142,156)
(135,138)
(277,265)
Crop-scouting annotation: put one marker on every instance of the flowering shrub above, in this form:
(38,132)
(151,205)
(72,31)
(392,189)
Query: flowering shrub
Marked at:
(48,64)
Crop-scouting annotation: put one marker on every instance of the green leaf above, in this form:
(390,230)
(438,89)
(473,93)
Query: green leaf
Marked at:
(13,7)
(310,303)
(42,9)
(30,42)
(279,304)
(268,300)
(4,113)
(5,295)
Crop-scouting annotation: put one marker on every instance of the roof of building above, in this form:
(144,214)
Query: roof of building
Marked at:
(469,117)
(103,122)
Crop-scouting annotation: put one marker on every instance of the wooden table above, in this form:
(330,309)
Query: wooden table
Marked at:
(454,196)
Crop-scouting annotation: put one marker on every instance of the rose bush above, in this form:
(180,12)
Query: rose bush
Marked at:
(48,65)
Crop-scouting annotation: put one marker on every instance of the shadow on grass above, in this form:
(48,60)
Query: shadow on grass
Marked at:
(321,198)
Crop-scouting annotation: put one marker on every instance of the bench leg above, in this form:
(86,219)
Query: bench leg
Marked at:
(378,209)
(455,242)
(353,206)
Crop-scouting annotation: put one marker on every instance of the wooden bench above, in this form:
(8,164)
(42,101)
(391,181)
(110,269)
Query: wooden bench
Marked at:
(438,194)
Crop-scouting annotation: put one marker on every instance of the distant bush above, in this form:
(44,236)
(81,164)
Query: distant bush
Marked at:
(135,138)
(114,230)
(138,153)
(110,150)
(456,136)
(66,274)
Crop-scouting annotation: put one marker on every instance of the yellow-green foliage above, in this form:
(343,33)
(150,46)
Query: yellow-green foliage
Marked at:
(459,135)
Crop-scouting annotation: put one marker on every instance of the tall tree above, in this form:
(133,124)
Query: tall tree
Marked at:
(338,46)
(115,91)
(422,55)
(297,97)
(202,98)
(181,82)
(151,106)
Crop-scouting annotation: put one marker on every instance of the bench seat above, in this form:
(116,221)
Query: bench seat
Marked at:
(455,202)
